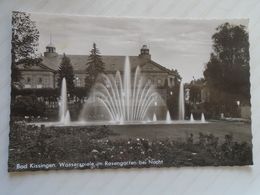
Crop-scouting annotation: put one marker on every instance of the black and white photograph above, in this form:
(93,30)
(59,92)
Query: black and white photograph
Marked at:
(119,92)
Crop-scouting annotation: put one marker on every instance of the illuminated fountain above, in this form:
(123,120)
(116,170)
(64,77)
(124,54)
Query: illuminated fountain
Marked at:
(126,99)
(203,120)
(154,117)
(191,118)
(120,99)
(181,103)
(168,117)
(181,114)
(64,113)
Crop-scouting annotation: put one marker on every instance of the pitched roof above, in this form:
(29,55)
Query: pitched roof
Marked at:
(38,67)
(160,66)
(112,63)
(79,62)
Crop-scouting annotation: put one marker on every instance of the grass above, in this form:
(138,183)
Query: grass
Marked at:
(213,144)
(241,131)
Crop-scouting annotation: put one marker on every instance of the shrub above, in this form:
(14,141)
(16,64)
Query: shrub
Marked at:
(28,106)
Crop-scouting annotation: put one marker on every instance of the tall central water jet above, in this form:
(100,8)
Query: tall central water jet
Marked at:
(181,102)
(127,99)
(127,88)
(63,107)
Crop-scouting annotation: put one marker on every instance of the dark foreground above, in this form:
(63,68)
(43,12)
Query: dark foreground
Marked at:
(214,144)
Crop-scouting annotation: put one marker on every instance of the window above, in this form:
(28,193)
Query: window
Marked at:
(149,81)
(27,86)
(78,82)
(40,80)
(159,81)
(50,49)
(113,66)
(28,79)
(39,86)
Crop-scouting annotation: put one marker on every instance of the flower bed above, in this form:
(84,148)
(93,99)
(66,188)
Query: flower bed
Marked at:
(32,144)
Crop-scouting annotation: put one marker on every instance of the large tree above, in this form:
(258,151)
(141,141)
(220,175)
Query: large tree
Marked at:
(95,66)
(227,71)
(25,38)
(66,71)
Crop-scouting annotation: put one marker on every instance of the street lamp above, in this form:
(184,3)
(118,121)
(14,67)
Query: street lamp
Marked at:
(238,108)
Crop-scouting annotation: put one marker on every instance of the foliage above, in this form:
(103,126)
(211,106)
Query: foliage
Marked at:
(28,106)
(85,144)
(195,87)
(172,96)
(66,71)
(25,38)
(39,92)
(228,107)
(80,92)
(227,72)
(172,100)
(95,66)
(177,75)
(228,68)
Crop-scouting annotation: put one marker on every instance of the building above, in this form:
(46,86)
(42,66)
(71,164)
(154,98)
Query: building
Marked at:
(44,75)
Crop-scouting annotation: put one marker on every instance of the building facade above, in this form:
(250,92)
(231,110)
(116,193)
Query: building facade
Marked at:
(44,75)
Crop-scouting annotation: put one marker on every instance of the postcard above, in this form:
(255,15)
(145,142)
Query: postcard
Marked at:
(111,92)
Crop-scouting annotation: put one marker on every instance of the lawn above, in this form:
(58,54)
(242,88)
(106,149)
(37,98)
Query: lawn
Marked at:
(179,132)
(215,143)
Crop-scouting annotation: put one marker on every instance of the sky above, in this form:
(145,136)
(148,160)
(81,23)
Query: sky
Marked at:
(179,44)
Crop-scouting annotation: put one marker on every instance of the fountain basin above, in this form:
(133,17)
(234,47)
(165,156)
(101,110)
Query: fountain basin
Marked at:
(99,123)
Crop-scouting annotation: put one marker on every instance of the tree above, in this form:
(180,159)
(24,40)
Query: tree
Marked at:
(66,71)
(95,66)
(195,87)
(173,93)
(227,71)
(177,78)
(25,38)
